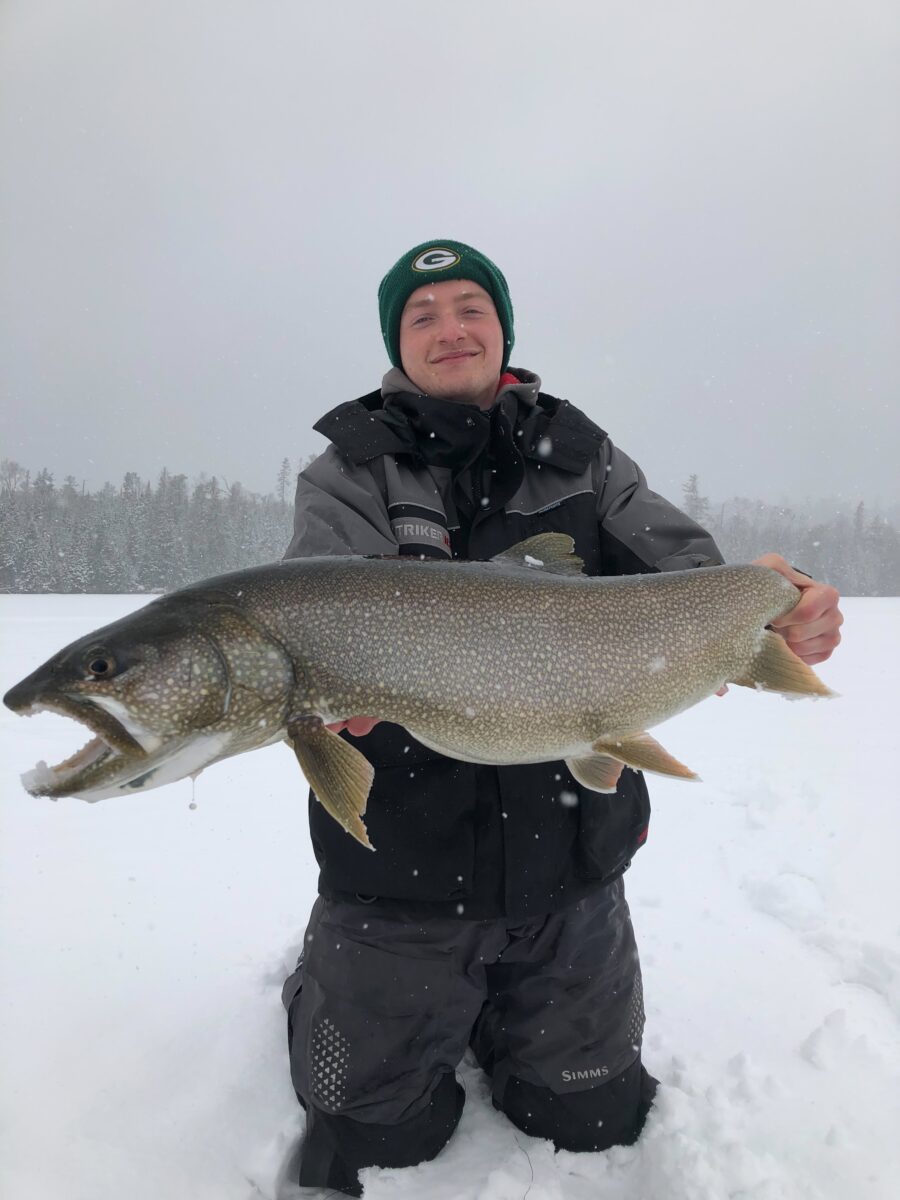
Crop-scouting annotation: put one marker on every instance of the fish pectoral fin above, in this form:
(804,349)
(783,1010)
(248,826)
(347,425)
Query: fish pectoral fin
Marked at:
(644,753)
(598,772)
(338,774)
(776,668)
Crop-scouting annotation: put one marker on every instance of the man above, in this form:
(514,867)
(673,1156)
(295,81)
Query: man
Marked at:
(493,914)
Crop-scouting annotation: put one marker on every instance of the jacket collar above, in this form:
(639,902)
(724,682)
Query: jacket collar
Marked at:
(400,420)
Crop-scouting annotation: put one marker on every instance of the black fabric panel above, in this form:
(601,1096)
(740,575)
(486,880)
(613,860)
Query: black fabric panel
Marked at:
(352,429)
(419,511)
(337,1148)
(421,819)
(572,439)
(611,1114)
(612,828)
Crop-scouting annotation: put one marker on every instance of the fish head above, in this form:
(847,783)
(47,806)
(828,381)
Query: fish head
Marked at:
(165,691)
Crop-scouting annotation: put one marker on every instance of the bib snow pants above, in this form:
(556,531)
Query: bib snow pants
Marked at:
(384,1003)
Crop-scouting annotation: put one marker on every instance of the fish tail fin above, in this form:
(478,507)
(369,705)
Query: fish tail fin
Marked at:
(776,668)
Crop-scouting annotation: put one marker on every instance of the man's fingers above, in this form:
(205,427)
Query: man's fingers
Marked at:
(813,650)
(818,601)
(360,726)
(355,726)
(776,563)
(813,657)
(801,631)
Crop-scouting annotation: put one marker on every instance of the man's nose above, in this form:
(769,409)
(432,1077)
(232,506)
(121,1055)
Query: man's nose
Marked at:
(450,328)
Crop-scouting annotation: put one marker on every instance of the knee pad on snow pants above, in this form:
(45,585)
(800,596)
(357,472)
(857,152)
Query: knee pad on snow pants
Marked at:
(610,1114)
(337,1148)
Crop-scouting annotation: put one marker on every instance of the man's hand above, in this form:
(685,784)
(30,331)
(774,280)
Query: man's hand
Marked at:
(355,726)
(812,629)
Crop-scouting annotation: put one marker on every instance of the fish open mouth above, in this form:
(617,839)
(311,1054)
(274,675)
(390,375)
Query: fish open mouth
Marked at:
(111,748)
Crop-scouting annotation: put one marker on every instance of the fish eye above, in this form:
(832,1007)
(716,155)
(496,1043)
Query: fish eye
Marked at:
(101,665)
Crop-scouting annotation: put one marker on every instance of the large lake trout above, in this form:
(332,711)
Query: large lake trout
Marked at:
(522,659)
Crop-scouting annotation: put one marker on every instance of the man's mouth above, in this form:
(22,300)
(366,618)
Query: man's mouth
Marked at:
(457,354)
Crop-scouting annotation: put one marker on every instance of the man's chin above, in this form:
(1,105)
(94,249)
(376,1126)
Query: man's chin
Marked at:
(463,391)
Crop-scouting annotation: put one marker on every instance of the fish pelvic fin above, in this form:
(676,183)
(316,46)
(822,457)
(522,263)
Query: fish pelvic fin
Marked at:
(338,774)
(598,772)
(552,552)
(776,668)
(644,753)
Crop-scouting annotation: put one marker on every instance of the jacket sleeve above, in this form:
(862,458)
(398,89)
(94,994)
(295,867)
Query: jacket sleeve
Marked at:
(641,530)
(339,509)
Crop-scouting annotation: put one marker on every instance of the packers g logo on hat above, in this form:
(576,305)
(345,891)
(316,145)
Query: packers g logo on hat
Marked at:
(438,258)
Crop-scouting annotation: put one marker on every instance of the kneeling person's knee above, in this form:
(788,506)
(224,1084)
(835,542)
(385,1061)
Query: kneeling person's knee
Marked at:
(610,1114)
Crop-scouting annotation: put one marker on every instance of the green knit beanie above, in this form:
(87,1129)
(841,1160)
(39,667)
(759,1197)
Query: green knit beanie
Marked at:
(433,262)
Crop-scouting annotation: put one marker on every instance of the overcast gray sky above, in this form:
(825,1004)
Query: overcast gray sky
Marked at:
(695,204)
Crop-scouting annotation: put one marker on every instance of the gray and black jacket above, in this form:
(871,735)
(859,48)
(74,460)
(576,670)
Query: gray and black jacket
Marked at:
(411,474)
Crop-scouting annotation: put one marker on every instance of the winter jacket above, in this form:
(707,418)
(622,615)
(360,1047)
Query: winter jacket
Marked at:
(412,474)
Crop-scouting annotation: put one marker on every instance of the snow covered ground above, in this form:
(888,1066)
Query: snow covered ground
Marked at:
(144,943)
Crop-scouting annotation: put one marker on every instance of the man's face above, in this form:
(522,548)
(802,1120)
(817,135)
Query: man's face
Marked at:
(451,342)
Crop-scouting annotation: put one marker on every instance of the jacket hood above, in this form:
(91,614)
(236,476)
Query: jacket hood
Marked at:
(526,388)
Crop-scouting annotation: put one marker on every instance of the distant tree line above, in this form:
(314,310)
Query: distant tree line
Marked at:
(145,537)
(855,550)
(137,537)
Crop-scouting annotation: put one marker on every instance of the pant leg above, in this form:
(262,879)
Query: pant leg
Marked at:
(561,1031)
(375,1033)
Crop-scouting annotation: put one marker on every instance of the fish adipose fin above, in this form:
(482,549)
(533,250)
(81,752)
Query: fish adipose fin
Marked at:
(644,753)
(598,772)
(552,552)
(338,774)
(776,668)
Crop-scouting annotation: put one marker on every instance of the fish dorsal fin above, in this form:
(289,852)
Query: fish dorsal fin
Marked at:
(553,552)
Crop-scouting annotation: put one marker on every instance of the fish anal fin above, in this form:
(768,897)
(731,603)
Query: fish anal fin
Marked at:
(598,772)
(338,774)
(644,753)
(551,552)
(776,668)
